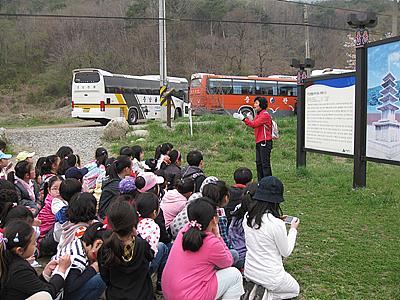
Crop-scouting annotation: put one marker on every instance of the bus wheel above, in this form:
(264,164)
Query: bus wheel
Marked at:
(177,114)
(247,112)
(132,117)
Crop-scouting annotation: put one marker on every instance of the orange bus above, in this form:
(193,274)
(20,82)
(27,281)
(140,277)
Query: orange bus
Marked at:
(221,94)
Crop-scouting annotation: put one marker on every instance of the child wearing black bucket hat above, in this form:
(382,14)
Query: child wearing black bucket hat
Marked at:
(267,241)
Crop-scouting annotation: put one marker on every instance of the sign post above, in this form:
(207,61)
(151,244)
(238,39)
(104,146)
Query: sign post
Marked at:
(360,139)
(301,75)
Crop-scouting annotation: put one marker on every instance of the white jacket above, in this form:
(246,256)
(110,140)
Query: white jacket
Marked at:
(265,248)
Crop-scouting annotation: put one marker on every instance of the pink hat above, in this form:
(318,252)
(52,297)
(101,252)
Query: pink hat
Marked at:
(150,180)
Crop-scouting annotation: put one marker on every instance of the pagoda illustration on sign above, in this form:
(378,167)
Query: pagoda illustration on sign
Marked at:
(387,129)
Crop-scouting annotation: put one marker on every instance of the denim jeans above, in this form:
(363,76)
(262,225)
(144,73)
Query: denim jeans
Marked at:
(159,261)
(91,290)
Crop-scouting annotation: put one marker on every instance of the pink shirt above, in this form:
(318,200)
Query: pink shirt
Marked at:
(172,204)
(46,216)
(191,275)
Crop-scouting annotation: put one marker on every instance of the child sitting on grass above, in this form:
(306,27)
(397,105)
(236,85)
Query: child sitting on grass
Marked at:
(242,177)
(68,188)
(199,266)
(19,280)
(148,209)
(80,214)
(46,243)
(235,230)
(124,258)
(194,169)
(83,281)
(176,199)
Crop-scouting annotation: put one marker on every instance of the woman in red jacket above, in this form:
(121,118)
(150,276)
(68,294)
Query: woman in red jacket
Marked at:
(262,125)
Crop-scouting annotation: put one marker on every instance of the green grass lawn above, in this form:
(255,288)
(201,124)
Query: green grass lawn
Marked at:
(348,242)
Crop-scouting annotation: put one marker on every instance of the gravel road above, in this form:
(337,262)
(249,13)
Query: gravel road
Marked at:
(46,141)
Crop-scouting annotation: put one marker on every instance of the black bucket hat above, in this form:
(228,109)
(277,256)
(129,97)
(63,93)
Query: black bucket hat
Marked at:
(270,189)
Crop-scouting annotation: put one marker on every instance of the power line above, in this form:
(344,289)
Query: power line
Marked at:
(123,18)
(329,7)
(8,15)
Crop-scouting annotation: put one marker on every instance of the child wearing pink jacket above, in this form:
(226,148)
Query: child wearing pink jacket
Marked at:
(197,253)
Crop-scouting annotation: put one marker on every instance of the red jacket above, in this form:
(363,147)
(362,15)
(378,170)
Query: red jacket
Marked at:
(262,133)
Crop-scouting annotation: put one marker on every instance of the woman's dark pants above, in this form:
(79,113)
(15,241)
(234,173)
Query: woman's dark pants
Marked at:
(263,159)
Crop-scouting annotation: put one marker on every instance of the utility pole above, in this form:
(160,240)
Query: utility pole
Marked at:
(163,58)
(307,34)
(395,10)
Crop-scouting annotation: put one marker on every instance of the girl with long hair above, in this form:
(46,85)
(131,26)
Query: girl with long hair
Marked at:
(198,251)
(124,258)
(267,241)
(118,170)
(18,279)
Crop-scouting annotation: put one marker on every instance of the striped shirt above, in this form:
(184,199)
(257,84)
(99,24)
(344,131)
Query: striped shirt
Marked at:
(79,259)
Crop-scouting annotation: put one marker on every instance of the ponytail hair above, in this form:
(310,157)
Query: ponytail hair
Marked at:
(137,150)
(162,149)
(216,191)
(146,204)
(200,213)
(96,231)
(123,218)
(101,156)
(64,151)
(118,165)
(47,164)
(246,202)
(16,234)
(184,186)
(67,162)
(175,156)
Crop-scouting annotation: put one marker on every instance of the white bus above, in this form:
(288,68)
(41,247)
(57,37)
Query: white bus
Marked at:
(101,96)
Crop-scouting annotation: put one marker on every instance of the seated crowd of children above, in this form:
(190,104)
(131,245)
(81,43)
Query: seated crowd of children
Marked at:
(128,228)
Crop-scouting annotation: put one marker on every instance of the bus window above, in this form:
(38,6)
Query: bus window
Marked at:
(87,77)
(243,87)
(287,90)
(219,86)
(196,83)
(269,88)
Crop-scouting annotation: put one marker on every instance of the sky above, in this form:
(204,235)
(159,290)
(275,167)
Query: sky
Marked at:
(381,60)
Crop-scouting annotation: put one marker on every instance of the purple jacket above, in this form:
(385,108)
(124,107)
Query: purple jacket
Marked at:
(236,234)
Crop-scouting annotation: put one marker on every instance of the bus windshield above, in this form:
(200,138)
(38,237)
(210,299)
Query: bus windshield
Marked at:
(87,77)
(196,83)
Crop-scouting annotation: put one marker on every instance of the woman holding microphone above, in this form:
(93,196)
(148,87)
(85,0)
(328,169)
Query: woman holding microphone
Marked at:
(262,125)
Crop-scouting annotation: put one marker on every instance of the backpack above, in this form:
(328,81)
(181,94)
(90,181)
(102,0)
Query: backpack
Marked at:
(275,130)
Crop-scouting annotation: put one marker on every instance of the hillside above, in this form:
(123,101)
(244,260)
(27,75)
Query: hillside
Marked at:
(37,55)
